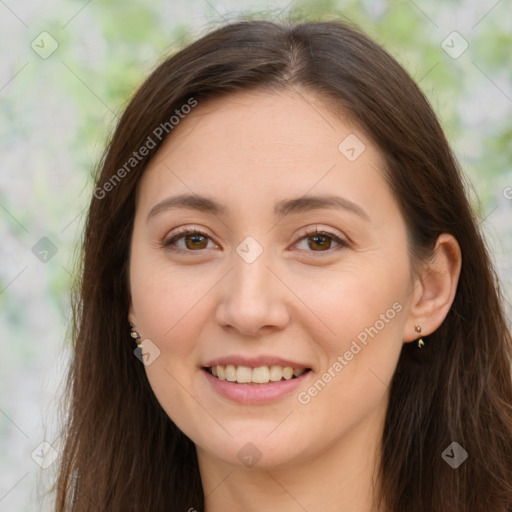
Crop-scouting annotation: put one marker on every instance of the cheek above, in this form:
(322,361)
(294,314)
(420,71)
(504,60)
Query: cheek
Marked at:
(364,306)
(360,301)
(165,298)
(366,311)
(171,313)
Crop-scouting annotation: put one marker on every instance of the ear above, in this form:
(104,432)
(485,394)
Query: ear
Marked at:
(434,288)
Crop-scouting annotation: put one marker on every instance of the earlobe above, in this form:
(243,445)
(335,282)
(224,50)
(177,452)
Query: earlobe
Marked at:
(435,288)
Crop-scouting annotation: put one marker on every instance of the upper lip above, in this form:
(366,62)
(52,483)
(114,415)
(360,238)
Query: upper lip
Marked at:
(254,362)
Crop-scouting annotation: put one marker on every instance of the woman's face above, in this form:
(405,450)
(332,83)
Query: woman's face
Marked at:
(254,290)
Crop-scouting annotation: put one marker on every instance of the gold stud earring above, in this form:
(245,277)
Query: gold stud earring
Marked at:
(417,328)
(134,334)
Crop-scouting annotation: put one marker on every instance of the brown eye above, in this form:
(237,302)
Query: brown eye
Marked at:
(193,240)
(321,241)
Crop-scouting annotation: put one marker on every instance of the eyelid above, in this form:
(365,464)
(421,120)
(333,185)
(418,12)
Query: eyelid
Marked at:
(309,231)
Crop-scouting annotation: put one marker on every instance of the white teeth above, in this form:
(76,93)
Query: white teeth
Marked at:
(287,373)
(230,373)
(259,375)
(276,373)
(243,374)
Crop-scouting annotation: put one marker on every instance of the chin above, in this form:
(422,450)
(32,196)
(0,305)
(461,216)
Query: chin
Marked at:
(257,449)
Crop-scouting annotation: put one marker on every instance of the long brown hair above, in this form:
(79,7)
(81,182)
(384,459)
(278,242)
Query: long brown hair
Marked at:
(123,453)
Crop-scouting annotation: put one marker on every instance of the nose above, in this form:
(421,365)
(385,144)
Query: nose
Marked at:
(253,299)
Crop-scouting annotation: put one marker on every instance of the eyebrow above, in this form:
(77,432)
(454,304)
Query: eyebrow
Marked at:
(284,207)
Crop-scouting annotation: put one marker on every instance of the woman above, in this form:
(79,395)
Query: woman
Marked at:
(285,301)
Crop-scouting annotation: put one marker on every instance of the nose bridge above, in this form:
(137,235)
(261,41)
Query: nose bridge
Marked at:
(251,277)
(253,298)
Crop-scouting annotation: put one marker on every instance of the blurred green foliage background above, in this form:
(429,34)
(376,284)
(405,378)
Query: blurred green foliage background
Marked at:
(56,114)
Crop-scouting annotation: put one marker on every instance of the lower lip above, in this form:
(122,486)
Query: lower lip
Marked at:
(254,393)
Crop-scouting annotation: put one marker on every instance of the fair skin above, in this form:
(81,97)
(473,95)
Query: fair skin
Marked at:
(303,298)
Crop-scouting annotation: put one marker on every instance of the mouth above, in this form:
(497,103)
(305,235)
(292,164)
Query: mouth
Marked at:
(255,375)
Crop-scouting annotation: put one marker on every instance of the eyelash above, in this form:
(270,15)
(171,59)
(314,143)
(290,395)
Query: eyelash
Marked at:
(188,231)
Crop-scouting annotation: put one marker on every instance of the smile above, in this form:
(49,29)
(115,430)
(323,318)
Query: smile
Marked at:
(259,375)
(258,385)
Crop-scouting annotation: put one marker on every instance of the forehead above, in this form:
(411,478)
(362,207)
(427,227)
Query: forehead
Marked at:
(271,126)
(251,145)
